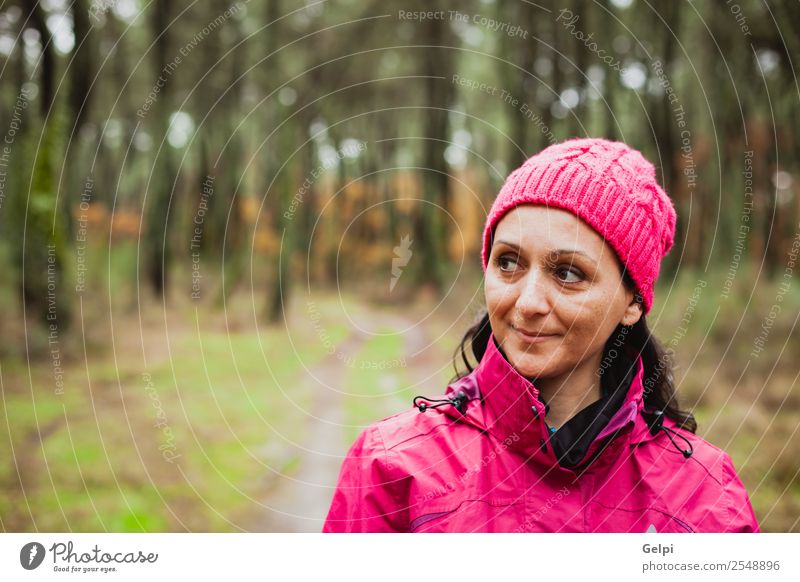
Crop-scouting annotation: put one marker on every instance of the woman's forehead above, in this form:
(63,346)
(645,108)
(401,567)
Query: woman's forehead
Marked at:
(536,224)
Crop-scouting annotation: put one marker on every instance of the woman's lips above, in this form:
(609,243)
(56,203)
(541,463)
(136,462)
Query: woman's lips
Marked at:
(534,338)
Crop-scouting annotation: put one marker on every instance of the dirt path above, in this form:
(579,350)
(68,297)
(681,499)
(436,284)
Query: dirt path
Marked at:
(299,502)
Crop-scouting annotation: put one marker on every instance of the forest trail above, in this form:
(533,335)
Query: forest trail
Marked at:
(298,500)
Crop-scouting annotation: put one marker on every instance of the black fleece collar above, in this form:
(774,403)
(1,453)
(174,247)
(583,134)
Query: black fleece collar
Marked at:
(572,440)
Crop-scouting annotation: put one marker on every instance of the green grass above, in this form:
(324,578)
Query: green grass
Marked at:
(377,392)
(223,395)
(374,382)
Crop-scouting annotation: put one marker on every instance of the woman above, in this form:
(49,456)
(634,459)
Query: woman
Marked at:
(569,422)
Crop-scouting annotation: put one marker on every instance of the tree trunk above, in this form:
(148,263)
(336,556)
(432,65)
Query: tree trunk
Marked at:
(158,255)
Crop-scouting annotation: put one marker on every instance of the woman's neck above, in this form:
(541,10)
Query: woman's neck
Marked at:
(568,394)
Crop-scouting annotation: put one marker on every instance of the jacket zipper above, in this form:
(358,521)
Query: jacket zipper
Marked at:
(593,457)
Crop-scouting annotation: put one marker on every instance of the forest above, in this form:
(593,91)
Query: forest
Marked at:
(213,211)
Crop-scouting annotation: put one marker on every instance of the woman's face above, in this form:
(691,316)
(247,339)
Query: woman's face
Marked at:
(550,273)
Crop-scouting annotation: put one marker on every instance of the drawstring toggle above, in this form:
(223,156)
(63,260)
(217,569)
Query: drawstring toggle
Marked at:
(459,401)
(657,423)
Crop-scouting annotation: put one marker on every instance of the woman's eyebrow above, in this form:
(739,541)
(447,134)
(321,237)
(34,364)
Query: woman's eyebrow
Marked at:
(556,251)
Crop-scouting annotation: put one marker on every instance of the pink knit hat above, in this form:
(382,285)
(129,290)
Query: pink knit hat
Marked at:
(611,187)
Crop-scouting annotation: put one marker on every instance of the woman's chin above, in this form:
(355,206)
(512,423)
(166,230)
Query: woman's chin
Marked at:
(528,365)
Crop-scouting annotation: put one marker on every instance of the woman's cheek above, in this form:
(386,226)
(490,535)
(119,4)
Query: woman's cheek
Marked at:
(497,295)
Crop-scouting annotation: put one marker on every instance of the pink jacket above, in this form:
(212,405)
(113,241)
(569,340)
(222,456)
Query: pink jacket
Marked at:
(483,461)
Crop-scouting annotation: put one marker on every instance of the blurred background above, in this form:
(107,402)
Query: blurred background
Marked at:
(235,233)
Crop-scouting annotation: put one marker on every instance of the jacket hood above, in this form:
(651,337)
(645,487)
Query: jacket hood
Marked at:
(496,398)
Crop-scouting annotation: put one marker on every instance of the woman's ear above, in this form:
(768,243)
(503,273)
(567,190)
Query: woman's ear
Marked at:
(633,312)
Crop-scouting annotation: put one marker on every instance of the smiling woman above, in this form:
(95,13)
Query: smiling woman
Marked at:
(569,421)
(555,295)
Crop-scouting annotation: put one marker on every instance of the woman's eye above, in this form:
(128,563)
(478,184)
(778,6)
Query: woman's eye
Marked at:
(507,263)
(564,273)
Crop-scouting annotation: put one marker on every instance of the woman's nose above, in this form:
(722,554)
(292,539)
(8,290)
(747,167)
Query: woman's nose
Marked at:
(533,296)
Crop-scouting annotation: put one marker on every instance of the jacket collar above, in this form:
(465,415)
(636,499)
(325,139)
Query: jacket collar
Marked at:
(511,411)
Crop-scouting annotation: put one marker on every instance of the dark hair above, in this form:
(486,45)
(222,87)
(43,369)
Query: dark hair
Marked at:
(626,341)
